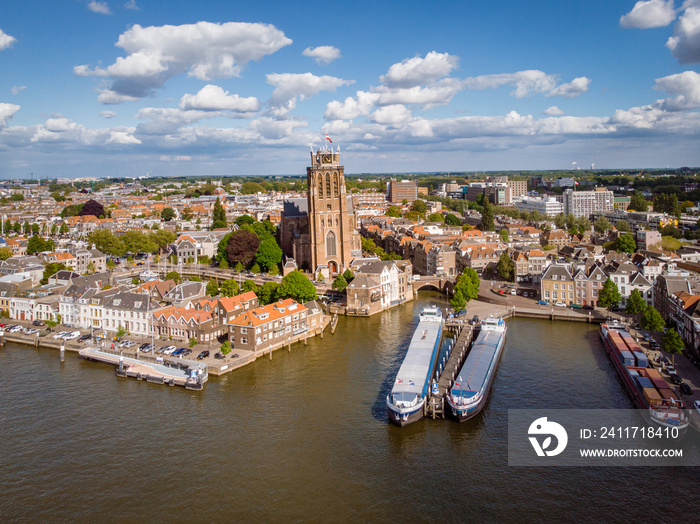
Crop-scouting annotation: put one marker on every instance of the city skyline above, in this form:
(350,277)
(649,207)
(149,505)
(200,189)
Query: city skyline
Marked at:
(107,88)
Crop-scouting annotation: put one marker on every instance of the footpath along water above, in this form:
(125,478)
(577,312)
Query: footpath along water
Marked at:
(305,437)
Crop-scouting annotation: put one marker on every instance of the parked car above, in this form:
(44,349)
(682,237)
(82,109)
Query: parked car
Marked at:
(186,352)
(62,334)
(166,350)
(73,335)
(218,355)
(588,306)
(204,354)
(32,331)
(38,323)
(543,302)
(560,304)
(15,329)
(84,338)
(676,379)
(654,345)
(686,389)
(143,346)
(179,351)
(696,404)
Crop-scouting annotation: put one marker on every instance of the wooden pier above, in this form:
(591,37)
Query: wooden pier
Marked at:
(449,367)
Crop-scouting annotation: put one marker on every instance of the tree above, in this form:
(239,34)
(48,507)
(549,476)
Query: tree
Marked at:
(5,253)
(249,285)
(229,287)
(503,233)
(121,331)
(71,210)
(419,206)
(667,203)
(244,220)
(162,238)
(672,343)
(669,243)
(269,254)
(297,286)
(90,268)
(651,319)
(50,270)
(609,296)
(250,188)
(458,302)
(107,242)
(487,223)
(226,348)
(168,214)
(186,214)
(238,268)
(626,244)
(193,342)
(583,224)
(173,275)
(212,288)
(623,226)
(339,284)
(111,264)
(560,221)
(635,303)
(92,207)
(219,216)
(27,227)
(348,275)
(506,267)
(452,220)
(393,211)
(601,225)
(436,217)
(63,229)
(468,284)
(137,241)
(638,203)
(242,247)
(36,244)
(267,293)
(255,268)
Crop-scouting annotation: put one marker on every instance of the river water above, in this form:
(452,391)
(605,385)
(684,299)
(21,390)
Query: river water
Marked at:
(304,437)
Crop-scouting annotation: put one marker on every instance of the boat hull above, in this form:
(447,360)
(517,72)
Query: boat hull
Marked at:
(404,419)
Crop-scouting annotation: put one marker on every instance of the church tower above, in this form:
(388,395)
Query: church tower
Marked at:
(334,240)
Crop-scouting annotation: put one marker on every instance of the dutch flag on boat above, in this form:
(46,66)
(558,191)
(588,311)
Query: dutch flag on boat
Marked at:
(399,381)
(411,382)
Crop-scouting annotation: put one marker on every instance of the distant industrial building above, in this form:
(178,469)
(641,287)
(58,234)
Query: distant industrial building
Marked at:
(549,206)
(397,192)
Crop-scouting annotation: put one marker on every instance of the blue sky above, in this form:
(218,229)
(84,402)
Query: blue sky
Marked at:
(121,88)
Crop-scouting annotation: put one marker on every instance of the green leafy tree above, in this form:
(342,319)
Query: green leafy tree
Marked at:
(50,270)
(193,342)
(635,303)
(27,227)
(255,268)
(269,254)
(672,343)
(63,230)
(229,288)
(111,264)
(162,238)
(121,331)
(297,286)
(173,275)
(560,221)
(54,229)
(623,226)
(601,225)
(212,288)
(468,284)
(667,203)
(393,211)
(36,229)
(506,267)
(503,234)
(652,320)
(638,203)
(226,348)
(348,275)
(583,224)
(186,214)
(419,206)
(452,220)
(626,244)
(609,296)
(168,214)
(267,293)
(90,268)
(669,243)
(250,285)
(436,217)
(487,222)
(5,253)
(219,216)
(457,301)
(244,220)
(107,242)
(137,241)
(37,244)
(339,284)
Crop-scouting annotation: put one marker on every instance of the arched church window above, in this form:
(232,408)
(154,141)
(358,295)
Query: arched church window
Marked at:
(321,222)
(335,185)
(330,244)
(320,187)
(336,221)
(328,185)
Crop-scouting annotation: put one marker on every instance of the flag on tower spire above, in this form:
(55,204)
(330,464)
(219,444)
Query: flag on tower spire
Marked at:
(329,138)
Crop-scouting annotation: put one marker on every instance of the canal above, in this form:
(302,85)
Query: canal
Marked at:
(304,437)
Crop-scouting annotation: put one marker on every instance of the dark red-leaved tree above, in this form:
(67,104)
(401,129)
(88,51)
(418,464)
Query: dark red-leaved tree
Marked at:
(92,207)
(242,247)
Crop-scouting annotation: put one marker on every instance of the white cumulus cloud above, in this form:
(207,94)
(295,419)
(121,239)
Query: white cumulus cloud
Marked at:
(7,111)
(553,111)
(214,98)
(108,114)
(323,55)
(203,50)
(392,115)
(6,40)
(131,4)
(99,7)
(17,89)
(686,88)
(418,71)
(685,42)
(649,13)
(290,86)
(351,108)
(122,137)
(528,82)
(572,89)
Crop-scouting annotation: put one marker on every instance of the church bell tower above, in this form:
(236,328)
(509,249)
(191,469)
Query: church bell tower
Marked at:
(333,237)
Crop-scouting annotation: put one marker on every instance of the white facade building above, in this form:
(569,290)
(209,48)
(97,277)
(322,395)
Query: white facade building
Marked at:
(583,203)
(547,206)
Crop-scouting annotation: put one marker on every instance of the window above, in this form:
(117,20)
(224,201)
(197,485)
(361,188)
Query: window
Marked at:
(244,331)
(320,187)
(330,244)
(328,185)
(244,340)
(335,185)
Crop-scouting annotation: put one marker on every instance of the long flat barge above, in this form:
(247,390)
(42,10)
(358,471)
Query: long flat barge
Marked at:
(406,401)
(472,385)
(645,385)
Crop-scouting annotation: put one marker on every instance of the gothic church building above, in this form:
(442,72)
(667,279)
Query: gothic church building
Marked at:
(320,233)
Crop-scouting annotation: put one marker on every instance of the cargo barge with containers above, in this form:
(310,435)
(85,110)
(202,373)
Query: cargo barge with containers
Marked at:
(406,401)
(470,391)
(649,391)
